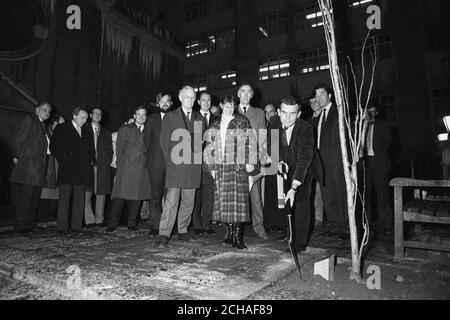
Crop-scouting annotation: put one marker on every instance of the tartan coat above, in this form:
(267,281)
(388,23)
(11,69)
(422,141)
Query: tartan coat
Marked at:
(132,181)
(231,185)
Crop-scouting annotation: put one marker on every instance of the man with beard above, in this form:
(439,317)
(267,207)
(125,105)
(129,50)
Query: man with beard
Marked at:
(155,164)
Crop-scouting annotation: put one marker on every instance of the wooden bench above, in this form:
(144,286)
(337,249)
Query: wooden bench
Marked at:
(429,210)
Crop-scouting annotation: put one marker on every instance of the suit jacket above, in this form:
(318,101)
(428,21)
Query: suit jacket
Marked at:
(30,147)
(381,144)
(330,145)
(132,181)
(152,132)
(103,157)
(181,143)
(258,122)
(299,155)
(75,155)
(316,165)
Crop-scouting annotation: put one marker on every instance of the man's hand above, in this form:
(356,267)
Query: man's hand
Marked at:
(15,160)
(249,167)
(280,170)
(290,196)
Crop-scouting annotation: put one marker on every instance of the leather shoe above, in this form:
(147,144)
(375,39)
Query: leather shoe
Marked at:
(210,231)
(198,231)
(110,229)
(263,235)
(100,225)
(162,242)
(185,237)
(133,228)
(153,233)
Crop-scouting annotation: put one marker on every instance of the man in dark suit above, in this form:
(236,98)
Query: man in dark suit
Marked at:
(258,122)
(296,149)
(204,197)
(155,163)
(75,154)
(334,192)
(317,171)
(181,143)
(374,150)
(102,141)
(30,155)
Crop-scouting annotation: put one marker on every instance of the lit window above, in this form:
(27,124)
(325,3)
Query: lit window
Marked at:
(358,3)
(313,60)
(275,68)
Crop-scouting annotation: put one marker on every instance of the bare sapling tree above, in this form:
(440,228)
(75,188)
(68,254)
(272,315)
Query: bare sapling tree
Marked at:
(351,124)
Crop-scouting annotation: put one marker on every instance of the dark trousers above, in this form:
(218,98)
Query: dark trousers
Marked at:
(203,207)
(117,209)
(47,210)
(377,183)
(157,178)
(66,193)
(26,206)
(302,213)
(334,197)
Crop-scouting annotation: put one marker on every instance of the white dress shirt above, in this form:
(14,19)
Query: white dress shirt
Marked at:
(324,113)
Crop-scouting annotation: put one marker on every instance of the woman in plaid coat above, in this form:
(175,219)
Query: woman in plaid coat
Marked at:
(230,157)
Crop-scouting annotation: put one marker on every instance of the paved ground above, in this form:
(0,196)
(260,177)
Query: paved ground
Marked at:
(126,265)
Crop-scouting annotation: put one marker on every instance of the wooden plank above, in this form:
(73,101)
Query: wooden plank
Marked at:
(417,217)
(426,245)
(407,182)
(399,249)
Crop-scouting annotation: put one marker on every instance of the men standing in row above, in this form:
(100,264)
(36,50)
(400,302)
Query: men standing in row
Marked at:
(296,149)
(102,141)
(30,155)
(181,143)
(131,184)
(333,191)
(75,154)
(155,163)
(374,150)
(204,197)
(258,123)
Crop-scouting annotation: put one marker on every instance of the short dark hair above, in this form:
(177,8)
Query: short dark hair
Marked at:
(245,84)
(140,107)
(77,111)
(161,95)
(228,99)
(42,104)
(327,89)
(291,101)
(202,93)
(97,108)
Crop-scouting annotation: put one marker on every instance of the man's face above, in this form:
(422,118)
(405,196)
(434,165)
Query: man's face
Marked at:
(187,98)
(43,112)
(289,114)
(81,118)
(322,97)
(96,115)
(314,104)
(245,94)
(140,116)
(269,110)
(165,103)
(205,102)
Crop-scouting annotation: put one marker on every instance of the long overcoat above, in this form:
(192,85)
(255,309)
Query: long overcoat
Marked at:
(231,185)
(131,182)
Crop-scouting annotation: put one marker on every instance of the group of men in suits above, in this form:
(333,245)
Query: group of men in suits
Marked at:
(159,157)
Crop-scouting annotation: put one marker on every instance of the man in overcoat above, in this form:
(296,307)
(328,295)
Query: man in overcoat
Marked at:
(131,184)
(181,143)
(102,141)
(30,155)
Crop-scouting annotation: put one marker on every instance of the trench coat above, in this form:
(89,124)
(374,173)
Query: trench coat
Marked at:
(131,182)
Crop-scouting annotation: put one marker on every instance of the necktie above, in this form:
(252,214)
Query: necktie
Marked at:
(321,125)
(284,140)
(140,128)
(189,116)
(205,115)
(245,110)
